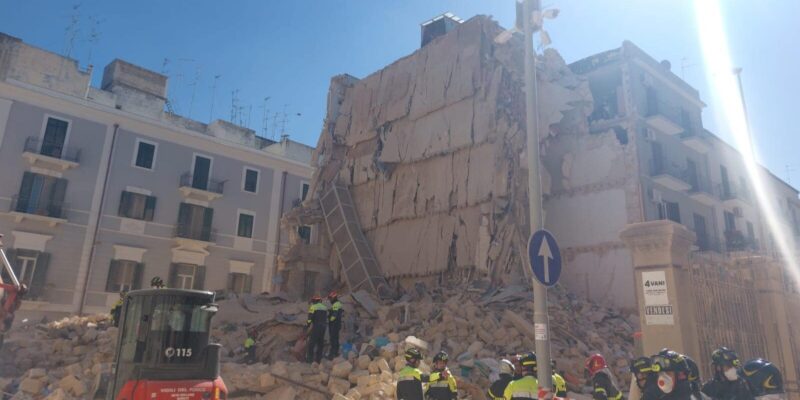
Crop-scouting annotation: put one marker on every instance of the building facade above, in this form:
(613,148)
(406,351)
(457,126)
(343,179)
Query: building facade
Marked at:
(103,190)
(647,157)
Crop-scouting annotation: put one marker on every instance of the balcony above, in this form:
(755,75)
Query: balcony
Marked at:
(670,177)
(703,192)
(662,118)
(696,141)
(208,190)
(733,197)
(50,155)
(735,240)
(193,233)
(51,213)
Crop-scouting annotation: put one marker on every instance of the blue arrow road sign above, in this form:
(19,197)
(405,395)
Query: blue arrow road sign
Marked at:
(545,257)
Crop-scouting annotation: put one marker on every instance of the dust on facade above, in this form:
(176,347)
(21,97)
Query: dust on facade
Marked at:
(102,189)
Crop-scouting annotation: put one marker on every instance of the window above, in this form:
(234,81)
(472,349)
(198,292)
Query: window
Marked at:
(700,231)
(726,184)
(751,234)
(194,222)
(124,275)
(730,221)
(245,226)
(239,283)
(145,154)
(305,233)
(309,283)
(187,276)
(669,210)
(250,180)
(55,136)
(137,206)
(41,195)
(304,191)
(201,172)
(30,266)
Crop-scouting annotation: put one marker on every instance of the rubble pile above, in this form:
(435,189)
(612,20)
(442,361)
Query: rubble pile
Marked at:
(57,361)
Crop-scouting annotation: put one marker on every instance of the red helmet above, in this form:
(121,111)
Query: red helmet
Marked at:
(333,294)
(316,298)
(595,363)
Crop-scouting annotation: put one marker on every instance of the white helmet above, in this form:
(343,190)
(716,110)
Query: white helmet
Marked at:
(506,367)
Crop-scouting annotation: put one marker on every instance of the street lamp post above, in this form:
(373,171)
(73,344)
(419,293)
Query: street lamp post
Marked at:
(540,317)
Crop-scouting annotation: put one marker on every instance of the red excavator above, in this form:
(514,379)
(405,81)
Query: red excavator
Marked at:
(163,350)
(11,293)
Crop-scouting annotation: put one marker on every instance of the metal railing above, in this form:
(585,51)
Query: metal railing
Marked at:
(52,209)
(210,185)
(52,149)
(191,231)
(667,168)
(700,185)
(736,240)
(657,107)
(732,192)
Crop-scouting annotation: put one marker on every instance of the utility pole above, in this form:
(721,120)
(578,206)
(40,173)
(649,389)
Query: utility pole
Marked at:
(540,317)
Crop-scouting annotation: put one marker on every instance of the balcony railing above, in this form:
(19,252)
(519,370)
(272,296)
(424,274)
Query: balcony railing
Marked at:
(51,149)
(209,185)
(735,240)
(732,192)
(189,231)
(42,208)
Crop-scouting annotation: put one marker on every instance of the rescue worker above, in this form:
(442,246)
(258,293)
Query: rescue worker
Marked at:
(764,379)
(559,384)
(517,366)
(603,385)
(673,375)
(506,376)
(526,387)
(410,378)
(334,324)
(726,383)
(116,310)
(156,283)
(694,377)
(645,379)
(443,388)
(315,328)
(250,347)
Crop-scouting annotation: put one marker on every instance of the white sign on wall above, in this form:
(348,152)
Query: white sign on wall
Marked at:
(657,310)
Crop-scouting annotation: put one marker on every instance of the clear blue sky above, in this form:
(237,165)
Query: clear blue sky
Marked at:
(289,49)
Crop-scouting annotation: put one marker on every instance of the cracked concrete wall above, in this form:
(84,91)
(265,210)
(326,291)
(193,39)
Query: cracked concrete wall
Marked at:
(432,149)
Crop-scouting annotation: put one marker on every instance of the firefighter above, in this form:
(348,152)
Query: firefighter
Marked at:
(645,379)
(673,375)
(156,283)
(315,328)
(726,383)
(559,384)
(116,310)
(526,387)
(764,379)
(603,385)
(506,376)
(694,377)
(250,347)
(410,378)
(443,388)
(517,366)
(334,323)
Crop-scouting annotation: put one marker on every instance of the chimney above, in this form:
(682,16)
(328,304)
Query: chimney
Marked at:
(137,89)
(438,26)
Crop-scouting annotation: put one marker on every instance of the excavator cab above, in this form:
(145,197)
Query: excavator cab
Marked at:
(163,349)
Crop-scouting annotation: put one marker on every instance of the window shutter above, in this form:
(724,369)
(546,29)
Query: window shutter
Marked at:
(124,204)
(173,275)
(149,208)
(248,283)
(25,190)
(230,282)
(113,276)
(57,198)
(137,276)
(184,213)
(199,277)
(39,275)
(208,217)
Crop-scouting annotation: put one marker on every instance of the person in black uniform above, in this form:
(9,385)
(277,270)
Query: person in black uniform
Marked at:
(445,387)
(727,384)
(334,323)
(410,378)
(646,380)
(603,385)
(673,376)
(506,376)
(316,325)
(765,379)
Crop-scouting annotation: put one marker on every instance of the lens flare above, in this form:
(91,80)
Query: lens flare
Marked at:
(731,112)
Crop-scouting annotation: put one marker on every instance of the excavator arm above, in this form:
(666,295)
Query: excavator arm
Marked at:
(11,294)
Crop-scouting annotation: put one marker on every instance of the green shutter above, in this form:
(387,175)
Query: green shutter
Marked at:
(39,275)
(25,190)
(208,217)
(57,195)
(124,204)
(149,208)
(248,284)
(173,276)
(113,275)
(137,276)
(199,277)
